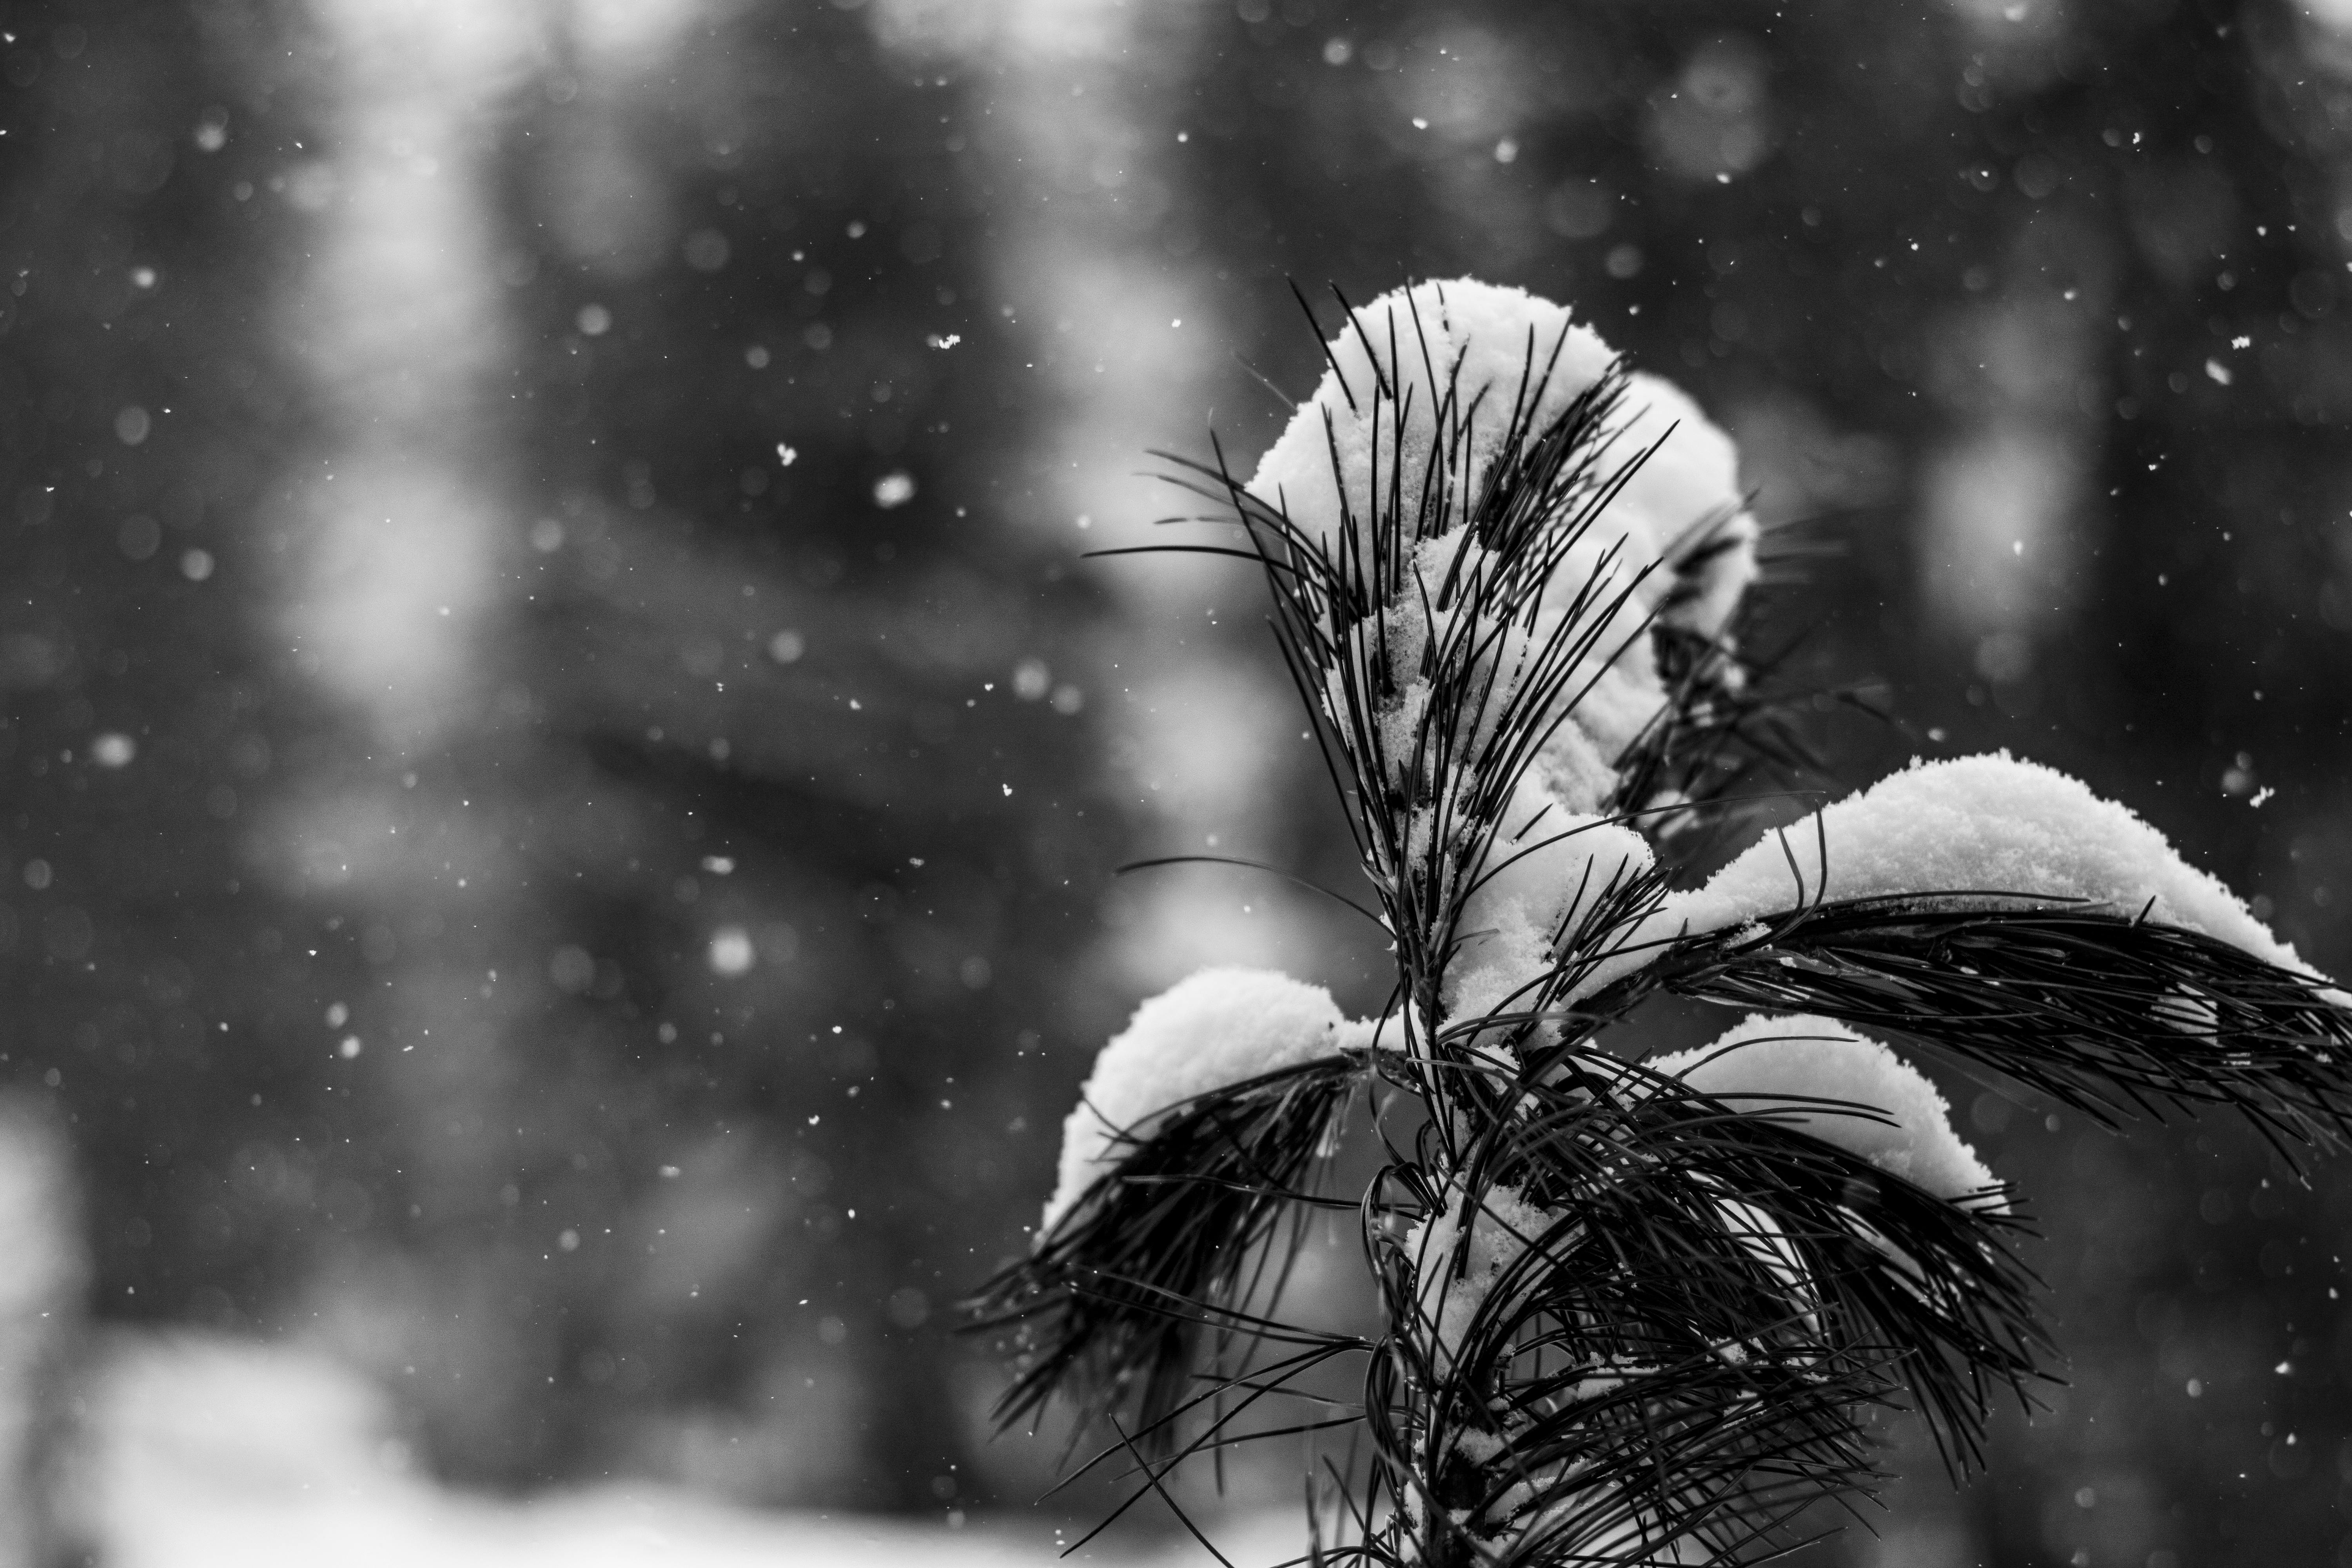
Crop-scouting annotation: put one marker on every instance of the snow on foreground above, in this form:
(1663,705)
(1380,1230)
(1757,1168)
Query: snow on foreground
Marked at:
(1766,1063)
(214,1454)
(1488,351)
(1992,828)
(1989,825)
(1214,1028)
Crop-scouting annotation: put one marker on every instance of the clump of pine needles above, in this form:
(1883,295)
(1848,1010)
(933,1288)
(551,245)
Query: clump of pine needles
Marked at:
(1621,1320)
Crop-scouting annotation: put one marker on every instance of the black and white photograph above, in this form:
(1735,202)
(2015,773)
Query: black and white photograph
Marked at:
(1284,783)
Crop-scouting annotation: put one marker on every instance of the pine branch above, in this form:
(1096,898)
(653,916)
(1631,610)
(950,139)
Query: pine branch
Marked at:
(1678,1352)
(1113,1308)
(2111,1016)
(1625,1320)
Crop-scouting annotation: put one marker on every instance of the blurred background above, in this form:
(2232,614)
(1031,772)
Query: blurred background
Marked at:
(562,768)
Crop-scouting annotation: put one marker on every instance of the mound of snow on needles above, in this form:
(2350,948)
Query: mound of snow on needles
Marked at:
(1765,1063)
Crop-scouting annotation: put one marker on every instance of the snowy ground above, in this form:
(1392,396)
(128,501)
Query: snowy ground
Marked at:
(207,1455)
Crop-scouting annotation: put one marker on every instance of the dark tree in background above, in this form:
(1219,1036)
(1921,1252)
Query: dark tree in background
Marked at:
(163,998)
(631,1110)
(781,631)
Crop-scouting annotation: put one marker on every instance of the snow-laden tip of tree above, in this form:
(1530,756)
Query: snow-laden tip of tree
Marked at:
(1459,361)
(1517,565)
(1366,441)
(1883,1109)
(1208,1030)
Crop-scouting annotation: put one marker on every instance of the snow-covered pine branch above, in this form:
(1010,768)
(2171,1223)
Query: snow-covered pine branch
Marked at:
(1989,832)
(1208,1032)
(1633,1312)
(1870,1102)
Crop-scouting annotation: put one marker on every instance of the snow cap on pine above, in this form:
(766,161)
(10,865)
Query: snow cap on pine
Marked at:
(1217,1027)
(1487,348)
(1905,1128)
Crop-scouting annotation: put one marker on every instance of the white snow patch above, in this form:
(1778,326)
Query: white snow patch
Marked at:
(1676,543)
(1217,1027)
(1681,508)
(1546,869)
(1989,825)
(1506,340)
(1490,332)
(1686,501)
(1456,1273)
(1550,861)
(1992,827)
(226,1454)
(1764,1060)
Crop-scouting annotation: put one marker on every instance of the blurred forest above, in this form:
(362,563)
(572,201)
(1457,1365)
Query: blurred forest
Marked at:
(563,770)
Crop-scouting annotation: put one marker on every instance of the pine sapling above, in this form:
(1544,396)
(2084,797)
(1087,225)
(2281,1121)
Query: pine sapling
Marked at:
(1630,1311)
